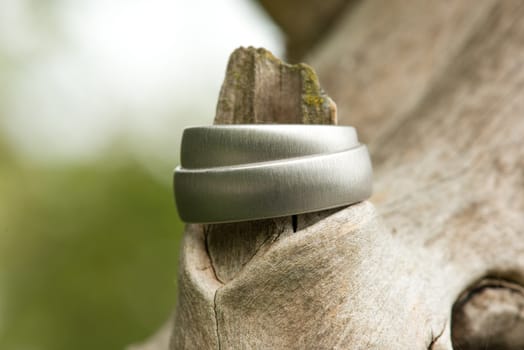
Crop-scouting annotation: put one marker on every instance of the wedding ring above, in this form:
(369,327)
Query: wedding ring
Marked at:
(232,173)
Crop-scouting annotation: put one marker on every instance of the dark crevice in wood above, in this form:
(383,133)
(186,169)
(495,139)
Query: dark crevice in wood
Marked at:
(215,309)
(206,246)
(436,337)
(309,219)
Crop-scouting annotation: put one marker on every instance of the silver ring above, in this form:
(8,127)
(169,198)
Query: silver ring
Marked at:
(237,172)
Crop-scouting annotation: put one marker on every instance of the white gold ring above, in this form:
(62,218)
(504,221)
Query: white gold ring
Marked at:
(238,172)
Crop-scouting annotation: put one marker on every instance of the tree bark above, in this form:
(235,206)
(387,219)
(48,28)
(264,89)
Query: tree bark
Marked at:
(435,88)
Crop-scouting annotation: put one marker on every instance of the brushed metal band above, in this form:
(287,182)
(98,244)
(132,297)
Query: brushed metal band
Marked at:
(237,172)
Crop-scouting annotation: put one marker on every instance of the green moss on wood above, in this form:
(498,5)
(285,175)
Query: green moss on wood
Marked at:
(251,71)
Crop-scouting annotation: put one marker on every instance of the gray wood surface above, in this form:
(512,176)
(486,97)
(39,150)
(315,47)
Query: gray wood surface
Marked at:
(436,90)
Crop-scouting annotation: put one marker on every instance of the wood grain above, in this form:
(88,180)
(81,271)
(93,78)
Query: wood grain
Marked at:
(436,89)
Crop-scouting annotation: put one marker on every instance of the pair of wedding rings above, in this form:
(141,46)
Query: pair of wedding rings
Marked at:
(234,173)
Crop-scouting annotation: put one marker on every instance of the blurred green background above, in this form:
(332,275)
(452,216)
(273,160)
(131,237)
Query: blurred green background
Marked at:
(93,98)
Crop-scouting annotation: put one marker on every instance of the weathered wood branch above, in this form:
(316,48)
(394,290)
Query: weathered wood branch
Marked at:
(259,88)
(435,88)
